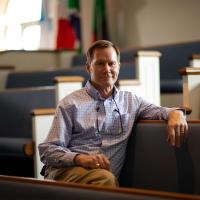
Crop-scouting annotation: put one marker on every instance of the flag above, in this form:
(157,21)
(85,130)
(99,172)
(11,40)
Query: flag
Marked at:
(69,29)
(100,30)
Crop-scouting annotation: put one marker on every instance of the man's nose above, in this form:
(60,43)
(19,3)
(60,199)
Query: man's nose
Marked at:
(107,67)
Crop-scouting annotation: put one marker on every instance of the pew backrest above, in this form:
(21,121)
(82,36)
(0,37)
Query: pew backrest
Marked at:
(153,164)
(16,126)
(173,58)
(40,78)
(16,106)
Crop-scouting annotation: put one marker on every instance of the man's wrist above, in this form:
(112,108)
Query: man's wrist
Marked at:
(183,110)
(75,159)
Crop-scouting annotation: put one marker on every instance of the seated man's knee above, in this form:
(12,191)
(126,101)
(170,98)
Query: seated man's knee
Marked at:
(105,178)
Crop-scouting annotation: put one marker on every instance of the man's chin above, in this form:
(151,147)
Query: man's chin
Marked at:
(108,82)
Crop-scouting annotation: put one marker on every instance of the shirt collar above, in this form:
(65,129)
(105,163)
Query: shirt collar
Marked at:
(93,92)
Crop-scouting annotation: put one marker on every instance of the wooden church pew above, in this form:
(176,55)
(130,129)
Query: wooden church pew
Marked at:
(153,164)
(150,162)
(16,123)
(26,188)
(16,126)
(174,55)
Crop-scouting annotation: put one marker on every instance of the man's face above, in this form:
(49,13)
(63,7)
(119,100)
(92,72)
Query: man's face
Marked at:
(104,67)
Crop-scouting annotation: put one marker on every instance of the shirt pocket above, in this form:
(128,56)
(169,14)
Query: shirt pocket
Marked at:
(120,124)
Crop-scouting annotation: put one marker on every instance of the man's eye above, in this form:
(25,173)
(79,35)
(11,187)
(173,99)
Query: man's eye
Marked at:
(112,64)
(100,63)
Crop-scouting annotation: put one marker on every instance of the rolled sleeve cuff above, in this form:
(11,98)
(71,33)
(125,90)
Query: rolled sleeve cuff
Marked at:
(69,160)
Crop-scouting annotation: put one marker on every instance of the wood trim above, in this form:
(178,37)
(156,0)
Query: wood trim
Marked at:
(28,148)
(128,82)
(28,89)
(7,67)
(148,53)
(130,191)
(40,51)
(188,110)
(59,79)
(43,111)
(163,121)
(194,56)
(189,71)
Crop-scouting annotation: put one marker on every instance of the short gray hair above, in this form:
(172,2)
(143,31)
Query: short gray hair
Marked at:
(100,44)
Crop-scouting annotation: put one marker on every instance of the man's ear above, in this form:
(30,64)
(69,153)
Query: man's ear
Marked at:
(87,67)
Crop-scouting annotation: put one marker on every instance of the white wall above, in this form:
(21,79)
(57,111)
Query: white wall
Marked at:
(150,22)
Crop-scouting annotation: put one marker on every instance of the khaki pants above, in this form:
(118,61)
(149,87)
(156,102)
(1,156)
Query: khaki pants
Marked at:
(100,177)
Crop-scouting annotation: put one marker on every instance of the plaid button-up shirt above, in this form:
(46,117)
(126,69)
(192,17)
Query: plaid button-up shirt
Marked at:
(86,123)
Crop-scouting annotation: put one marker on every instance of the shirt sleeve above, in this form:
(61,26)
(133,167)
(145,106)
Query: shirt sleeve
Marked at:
(53,151)
(149,111)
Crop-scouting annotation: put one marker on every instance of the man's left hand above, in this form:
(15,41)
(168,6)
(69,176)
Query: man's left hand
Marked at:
(177,128)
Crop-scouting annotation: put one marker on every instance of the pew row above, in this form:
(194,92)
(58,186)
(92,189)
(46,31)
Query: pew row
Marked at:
(41,78)
(174,56)
(46,77)
(143,85)
(191,90)
(146,62)
(150,162)
(16,127)
(33,189)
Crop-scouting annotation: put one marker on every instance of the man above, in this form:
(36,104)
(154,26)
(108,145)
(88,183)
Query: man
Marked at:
(90,130)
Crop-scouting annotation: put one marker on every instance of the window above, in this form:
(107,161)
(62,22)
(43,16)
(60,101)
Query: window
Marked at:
(21,28)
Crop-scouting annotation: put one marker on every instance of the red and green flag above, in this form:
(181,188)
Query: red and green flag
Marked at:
(69,28)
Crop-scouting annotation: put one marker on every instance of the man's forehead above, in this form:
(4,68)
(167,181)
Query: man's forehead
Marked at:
(101,52)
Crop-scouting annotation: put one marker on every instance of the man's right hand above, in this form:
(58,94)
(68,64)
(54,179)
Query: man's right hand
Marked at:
(92,161)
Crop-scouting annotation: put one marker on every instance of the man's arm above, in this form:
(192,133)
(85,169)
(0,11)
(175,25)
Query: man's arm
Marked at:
(177,128)
(177,125)
(54,150)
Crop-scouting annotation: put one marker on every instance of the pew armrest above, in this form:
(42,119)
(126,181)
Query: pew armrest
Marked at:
(15,146)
